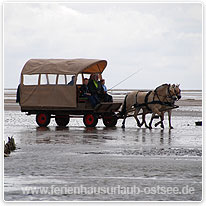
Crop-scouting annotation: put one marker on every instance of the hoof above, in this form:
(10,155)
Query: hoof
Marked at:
(123,126)
(162,126)
(6,155)
(171,127)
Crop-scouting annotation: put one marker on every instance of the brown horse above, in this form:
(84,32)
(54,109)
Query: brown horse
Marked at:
(169,109)
(151,102)
(164,108)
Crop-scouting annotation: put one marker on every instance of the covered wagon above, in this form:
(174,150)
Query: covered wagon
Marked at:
(49,88)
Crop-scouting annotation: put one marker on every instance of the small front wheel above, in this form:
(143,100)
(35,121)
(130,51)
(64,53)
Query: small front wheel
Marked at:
(62,121)
(90,120)
(43,119)
(110,121)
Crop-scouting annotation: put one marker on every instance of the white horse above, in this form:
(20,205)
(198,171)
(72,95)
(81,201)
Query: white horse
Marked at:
(149,102)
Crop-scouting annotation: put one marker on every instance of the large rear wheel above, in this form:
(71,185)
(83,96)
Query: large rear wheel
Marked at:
(62,121)
(43,119)
(110,120)
(90,120)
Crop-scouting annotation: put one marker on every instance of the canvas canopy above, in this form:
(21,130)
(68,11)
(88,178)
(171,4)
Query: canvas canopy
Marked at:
(63,66)
(57,95)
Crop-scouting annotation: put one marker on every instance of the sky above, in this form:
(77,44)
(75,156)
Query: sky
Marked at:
(161,41)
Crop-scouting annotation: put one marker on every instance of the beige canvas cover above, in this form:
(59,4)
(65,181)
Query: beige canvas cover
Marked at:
(47,96)
(55,96)
(64,66)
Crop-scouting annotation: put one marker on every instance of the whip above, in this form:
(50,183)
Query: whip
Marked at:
(125,79)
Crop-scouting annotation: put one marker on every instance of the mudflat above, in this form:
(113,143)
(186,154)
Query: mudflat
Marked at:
(104,164)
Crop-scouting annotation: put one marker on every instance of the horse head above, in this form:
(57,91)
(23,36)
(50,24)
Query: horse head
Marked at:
(174,92)
(166,91)
(178,91)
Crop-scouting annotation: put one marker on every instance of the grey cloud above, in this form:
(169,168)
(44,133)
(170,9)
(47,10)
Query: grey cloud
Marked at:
(161,38)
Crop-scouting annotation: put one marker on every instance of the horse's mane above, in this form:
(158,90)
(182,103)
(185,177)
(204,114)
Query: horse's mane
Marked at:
(161,86)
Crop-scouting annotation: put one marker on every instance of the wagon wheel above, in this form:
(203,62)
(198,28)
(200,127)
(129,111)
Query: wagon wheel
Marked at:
(43,119)
(90,120)
(110,121)
(62,121)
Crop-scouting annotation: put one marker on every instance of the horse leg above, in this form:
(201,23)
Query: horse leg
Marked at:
(124,119)
(169,118)
(156,111)
(156,124)
(145,123)
(123,122)
(135,116)
(161,121)
(143,118)
(150,123)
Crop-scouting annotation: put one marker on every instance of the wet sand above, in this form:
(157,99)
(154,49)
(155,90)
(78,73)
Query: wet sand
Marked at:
(104,157)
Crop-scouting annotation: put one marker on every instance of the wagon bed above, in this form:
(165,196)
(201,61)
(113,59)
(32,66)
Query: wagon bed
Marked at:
(81,109)
(107,111)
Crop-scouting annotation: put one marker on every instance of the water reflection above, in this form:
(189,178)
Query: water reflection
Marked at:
(87,135)
(40,129)
(90,129)
(151,137)
(143,134)
(58,128)
(164,135)
(91,136)
(108,129)
(169,137)
(45,140)
(161,136)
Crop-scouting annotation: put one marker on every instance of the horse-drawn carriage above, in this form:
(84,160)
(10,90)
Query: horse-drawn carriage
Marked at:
(49,88)
(46,92)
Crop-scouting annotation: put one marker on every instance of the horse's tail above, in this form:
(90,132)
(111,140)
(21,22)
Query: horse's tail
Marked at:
(123,111)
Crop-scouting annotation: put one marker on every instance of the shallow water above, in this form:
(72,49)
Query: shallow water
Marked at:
(76,156)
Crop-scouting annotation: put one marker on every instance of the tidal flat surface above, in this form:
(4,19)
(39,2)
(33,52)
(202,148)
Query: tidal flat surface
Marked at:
(76,156)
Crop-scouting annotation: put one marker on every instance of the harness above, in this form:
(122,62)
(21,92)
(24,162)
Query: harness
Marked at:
(146,103)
